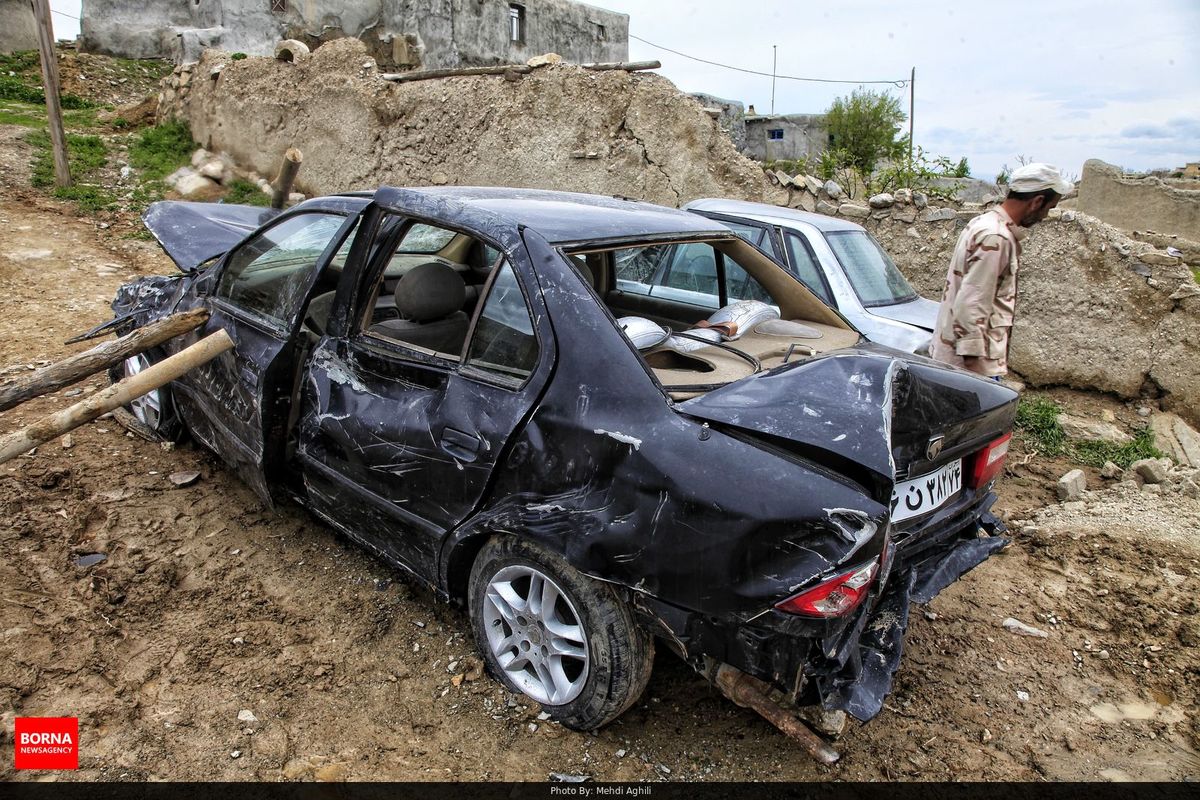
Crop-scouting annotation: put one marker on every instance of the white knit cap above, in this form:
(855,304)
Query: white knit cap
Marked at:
(1036,177)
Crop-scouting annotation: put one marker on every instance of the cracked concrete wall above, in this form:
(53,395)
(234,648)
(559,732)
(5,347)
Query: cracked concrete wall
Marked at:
(18,29)
(399,33)
(1133,202)
(559,127)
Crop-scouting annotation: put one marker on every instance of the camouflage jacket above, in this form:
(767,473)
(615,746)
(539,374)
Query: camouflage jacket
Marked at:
(980,298)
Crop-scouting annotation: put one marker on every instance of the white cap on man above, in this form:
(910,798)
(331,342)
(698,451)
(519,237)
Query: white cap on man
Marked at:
(1037,177)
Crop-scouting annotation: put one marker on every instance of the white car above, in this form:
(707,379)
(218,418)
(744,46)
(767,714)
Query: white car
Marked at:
(838,260)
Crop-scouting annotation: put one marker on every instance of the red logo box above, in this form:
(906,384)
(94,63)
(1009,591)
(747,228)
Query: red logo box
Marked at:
(46,743)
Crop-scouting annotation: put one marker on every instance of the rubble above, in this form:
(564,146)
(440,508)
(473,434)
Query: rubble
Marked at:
(1150,470)
(1072,485)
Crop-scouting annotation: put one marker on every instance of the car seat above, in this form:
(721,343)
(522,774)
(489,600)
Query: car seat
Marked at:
(429,299)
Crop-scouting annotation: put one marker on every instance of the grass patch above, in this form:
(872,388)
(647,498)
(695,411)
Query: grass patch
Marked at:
(85,155)
(1196,274)
(29,116)
(90,198)
(243,192)
(161,150)
(1037,422)
(13,88)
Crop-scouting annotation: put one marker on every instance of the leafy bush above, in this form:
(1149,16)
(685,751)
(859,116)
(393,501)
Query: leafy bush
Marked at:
(864,128)
(161,150)
(1037,422)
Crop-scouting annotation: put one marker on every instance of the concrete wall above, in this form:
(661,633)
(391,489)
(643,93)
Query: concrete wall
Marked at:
(1133,202)
(18,30)
(732,118)
(804,135)
(431,34)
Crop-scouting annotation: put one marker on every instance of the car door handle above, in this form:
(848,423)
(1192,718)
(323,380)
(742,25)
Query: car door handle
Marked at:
(462,446)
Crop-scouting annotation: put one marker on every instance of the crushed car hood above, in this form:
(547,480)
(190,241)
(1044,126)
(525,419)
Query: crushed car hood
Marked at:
(866,406)
(192,233)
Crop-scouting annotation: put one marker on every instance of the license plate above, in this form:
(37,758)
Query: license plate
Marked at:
(923,494)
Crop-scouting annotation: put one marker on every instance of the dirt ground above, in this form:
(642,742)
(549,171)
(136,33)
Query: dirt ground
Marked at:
(208,604)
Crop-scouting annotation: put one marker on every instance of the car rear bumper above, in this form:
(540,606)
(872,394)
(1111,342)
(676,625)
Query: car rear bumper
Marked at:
(848,663)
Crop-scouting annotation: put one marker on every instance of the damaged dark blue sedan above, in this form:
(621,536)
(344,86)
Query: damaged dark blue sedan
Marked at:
(453,378)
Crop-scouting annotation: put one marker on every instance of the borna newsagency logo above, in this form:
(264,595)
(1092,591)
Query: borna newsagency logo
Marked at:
(46,743)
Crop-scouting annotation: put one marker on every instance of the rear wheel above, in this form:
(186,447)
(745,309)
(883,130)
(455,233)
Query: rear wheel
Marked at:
(558,637)
(153,414)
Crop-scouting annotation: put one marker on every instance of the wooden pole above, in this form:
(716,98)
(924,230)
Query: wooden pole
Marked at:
(115,396)
(58,139)
(428,74)
(287,177)
(912,105)
(109,354)
(627,66)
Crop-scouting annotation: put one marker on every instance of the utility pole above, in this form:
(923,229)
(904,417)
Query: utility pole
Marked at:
(774,63)
(912,102)
(58,139)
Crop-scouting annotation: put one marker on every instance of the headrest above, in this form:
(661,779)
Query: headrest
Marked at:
(430,291)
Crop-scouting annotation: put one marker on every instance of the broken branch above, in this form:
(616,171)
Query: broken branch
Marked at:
(287,177)
(627,66)
(115,396)
(79,366)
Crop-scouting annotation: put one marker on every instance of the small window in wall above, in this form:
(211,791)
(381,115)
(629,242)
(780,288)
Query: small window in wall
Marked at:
(601,33)
(516,23)
(277,6)
(775,134)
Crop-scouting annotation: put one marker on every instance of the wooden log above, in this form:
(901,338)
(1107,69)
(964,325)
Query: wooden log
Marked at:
(58,139)
(287,177)
(77,367)
(627,66)
(429,74)
(115,396)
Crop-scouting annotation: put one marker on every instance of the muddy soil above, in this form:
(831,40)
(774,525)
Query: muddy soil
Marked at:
(208,605)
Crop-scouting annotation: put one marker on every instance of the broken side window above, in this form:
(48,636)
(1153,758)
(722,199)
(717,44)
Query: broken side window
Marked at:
(504,345)
(268,274)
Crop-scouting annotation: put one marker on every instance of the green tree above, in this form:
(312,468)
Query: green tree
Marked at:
(866,127)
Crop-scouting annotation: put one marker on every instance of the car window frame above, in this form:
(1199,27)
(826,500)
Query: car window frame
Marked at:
(360,337)
(270,325)
(830,298)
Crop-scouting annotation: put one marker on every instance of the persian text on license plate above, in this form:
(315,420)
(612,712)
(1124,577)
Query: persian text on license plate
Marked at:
(923,494)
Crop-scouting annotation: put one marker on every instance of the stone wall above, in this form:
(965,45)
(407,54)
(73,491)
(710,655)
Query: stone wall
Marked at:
(18,30)
(1097,310)
(1138,203)
(430,34)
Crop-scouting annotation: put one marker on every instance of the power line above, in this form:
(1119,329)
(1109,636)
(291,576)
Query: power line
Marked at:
(900,84)
(65,16)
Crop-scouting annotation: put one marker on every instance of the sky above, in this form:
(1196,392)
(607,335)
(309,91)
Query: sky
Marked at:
(1060,81)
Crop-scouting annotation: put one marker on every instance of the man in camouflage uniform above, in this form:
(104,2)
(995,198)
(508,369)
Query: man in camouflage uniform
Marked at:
(979,302)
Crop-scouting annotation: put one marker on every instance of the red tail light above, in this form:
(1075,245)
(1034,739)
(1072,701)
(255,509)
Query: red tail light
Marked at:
(989,462)
(836,596)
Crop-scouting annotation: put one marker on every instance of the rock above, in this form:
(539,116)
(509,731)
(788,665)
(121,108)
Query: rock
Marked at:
(813,185)
(1023,696)
(193,184)
(881,200)
(1144,411)
(532,727)
(563,777)
(236,754)
(246,715)
(826,208)
(1110,471)
(903,196)
(1152,488)
(68,442)
(920,199)
(547,59)
(938,214)
(439,179)
(1176,439)
(1016,626)
(1103,655)
(1072,485)
(832,189)
(1156,259)
(1149,470)
(332,773)
(296,768)
(183,478)
(783,178)
(1091,430)
(199,157)
(854,210)
(214,169)
(296,197)
(1190,488)
(807,202)
(620,753)
(906,216)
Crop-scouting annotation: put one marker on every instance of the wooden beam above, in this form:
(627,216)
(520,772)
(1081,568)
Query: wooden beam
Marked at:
(115,396)
(287,177)
(429,74)
(58,139)
(627,66)
(77,367)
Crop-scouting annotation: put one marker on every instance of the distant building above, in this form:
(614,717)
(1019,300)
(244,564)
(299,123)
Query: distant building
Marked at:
(404,34)
(18,31)
(773,137)
(1191,169)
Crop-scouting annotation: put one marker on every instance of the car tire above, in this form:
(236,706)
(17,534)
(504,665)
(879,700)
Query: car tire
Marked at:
(585,660)
(152,415)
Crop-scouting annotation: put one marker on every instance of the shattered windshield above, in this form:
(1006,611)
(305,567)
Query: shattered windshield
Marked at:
(871,271)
